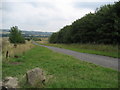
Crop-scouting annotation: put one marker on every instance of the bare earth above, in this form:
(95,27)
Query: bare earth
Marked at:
(92,58)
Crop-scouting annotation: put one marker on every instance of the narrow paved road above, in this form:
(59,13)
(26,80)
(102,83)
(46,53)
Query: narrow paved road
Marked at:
(92,58)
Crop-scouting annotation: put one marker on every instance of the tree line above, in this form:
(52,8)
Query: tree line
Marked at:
(100,27)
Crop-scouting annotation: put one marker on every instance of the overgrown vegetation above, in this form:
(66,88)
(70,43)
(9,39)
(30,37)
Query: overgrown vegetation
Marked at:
(67,71)
(101,27)
(9,49)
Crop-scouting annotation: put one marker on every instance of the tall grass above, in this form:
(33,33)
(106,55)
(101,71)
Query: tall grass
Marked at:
(0,45)
(99,47)
(12,51)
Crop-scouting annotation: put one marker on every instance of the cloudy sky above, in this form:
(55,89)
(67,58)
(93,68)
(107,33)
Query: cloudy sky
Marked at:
(45,15)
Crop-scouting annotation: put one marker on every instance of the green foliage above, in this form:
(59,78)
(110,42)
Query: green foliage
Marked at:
(63,36)
(53,38)
(15,36)
(101,27)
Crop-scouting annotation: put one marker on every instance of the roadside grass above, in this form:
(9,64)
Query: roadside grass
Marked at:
(105,50)
(67,71)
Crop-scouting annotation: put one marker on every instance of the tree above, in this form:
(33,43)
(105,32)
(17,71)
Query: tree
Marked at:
(15,36)
(101,27)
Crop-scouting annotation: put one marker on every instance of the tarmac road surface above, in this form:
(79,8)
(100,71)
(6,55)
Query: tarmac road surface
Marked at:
(104,61)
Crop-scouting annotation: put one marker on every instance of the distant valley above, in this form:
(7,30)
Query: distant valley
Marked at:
(5,33)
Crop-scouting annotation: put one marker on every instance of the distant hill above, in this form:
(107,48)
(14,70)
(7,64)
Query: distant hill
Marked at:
(5,33)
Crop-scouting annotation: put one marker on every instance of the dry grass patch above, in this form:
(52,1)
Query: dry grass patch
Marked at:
(9,48)
(43,40)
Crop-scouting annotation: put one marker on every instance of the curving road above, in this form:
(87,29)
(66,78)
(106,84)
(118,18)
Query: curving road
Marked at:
(92,58)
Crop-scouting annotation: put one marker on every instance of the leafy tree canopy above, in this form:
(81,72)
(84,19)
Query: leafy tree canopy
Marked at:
(101,27)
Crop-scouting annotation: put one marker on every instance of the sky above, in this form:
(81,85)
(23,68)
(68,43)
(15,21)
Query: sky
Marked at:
(45,15)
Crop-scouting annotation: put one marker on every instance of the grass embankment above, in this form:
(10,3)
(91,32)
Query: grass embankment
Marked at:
(67,71)
(105,50)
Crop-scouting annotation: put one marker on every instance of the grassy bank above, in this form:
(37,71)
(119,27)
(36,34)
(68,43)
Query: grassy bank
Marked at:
(105,50)
(67,71)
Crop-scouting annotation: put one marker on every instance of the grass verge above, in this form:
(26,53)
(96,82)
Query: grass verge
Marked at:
(67,71)
(105,50)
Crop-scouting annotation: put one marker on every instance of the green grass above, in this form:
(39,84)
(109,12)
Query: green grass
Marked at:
(105,50)
(67,71)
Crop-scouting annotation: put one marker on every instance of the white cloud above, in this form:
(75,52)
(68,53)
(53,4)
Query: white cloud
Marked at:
(43,15)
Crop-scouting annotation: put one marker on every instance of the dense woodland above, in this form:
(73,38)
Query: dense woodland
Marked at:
(101,27)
